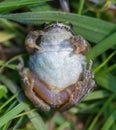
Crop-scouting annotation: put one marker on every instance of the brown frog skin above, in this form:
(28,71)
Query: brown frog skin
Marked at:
(57,76)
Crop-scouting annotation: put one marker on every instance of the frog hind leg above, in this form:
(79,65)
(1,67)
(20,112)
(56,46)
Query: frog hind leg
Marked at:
(28,84)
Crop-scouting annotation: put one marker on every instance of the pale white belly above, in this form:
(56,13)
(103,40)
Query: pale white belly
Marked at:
(59,69)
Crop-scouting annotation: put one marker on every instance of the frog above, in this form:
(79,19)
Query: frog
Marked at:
(57,76)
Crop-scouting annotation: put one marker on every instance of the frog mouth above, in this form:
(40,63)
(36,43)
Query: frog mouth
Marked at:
(59,25)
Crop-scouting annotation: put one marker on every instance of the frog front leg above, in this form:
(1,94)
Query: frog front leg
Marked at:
(30,41)
(81,89)
(28,85)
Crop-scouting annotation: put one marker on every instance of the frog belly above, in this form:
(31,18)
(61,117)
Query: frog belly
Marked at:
(59,69)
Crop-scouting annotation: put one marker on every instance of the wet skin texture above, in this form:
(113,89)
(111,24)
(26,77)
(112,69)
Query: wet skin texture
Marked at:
(57,76)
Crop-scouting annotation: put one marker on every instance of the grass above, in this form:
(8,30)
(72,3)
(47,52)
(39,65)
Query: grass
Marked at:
(95,22)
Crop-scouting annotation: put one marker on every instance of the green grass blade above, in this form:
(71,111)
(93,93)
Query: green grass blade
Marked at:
(64,126)
(81,6)
(18,123)
(102,46)
(107,81)
(11,105)
(5,5)
(8,101)
(5,64)
(33,116)
(87,108)
(111,119)
(10,66)
(9,115)
(104,63)
(40,7)
(96,95)
(106,71)
(100,112)
(5,36)
(3,91)
(114,1)
(92,29)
